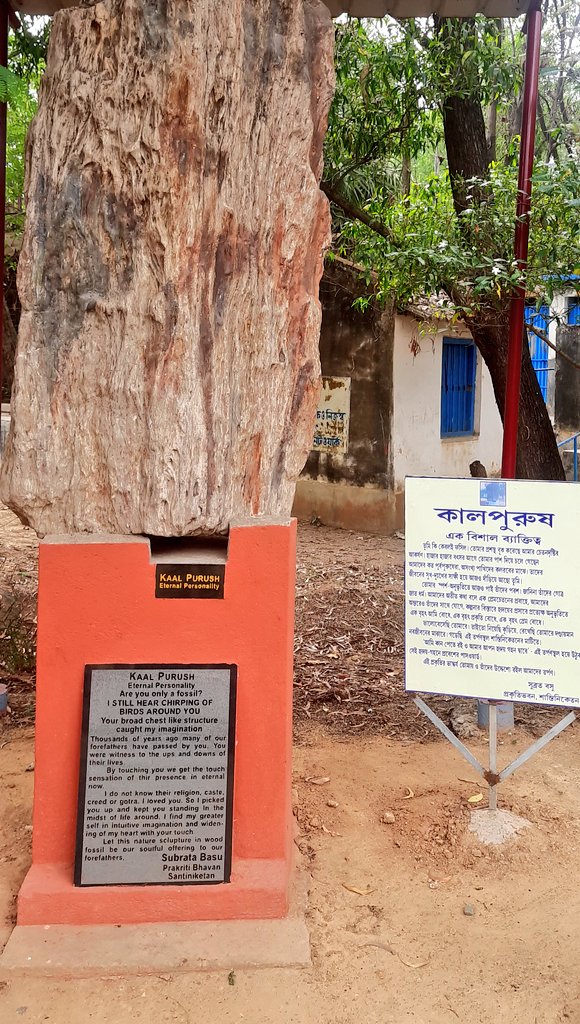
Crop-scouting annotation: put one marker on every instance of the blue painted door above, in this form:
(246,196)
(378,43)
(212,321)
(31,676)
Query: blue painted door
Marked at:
(539,351)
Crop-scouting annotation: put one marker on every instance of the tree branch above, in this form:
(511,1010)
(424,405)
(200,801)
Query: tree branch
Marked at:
(544,337)
(356,267)
(355,165)
(356,213)
(414,310)
(549,141)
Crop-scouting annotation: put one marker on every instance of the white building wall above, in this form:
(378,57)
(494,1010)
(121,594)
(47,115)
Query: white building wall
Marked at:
(558,316)
(417,446)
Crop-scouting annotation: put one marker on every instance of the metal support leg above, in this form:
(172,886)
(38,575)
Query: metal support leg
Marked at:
(538,745)
(463,750)
(491,775)
(492,756)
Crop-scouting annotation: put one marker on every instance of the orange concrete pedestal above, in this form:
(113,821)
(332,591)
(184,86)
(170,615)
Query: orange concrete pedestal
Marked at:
(97,606)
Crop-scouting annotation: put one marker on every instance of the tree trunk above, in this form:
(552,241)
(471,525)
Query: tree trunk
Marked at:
(466,145)
(406,175)
(538,457)
(491,132)
(468,157)
(167,371)
(463,127)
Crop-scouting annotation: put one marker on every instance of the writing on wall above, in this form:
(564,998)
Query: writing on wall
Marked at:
(332,417)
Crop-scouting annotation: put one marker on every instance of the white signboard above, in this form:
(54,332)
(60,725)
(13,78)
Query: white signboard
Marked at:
(492,594)
(332,417)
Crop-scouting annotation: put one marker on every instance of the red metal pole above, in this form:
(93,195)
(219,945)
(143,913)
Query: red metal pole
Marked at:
(522,233)
(4,17)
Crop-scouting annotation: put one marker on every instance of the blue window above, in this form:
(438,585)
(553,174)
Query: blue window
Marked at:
(458,373)
(574,310)
(539,318)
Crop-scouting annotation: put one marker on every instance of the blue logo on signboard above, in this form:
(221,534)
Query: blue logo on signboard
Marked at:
(492,492)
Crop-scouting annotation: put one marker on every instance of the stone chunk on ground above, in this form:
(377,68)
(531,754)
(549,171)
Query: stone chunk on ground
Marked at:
(496,827)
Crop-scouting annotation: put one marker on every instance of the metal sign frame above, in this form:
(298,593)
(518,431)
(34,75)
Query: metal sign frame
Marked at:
(490,774)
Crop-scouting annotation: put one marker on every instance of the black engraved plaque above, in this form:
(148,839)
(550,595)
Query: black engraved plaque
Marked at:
(156,779)
(185,580)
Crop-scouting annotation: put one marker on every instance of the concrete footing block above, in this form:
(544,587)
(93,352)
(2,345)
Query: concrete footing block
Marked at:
(89,951)
(86,951)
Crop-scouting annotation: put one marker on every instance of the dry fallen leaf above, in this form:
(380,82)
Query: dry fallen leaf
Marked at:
(329,833)
(319,781)
(409,794)
(407,963)
(389,949)
(475,799)
(434,883)
(359,892)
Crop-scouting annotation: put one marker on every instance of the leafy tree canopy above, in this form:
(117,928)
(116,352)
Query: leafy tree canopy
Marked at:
(392,85)
(19,85)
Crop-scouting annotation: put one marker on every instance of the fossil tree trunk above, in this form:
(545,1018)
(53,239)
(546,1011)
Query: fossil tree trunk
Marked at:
(167,368)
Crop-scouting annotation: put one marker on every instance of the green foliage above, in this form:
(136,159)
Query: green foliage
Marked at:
(19,85)
(470,256)
(489,66)
(27,48)
(377,114)
(559,104)
(11,86)
(392,86)
(21,110)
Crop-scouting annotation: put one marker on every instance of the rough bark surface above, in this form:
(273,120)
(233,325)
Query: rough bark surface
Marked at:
(538,457)
(167,369)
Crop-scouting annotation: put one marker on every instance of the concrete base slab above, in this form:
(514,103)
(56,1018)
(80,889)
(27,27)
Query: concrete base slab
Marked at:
(180,947)
(496,827)
(109,951)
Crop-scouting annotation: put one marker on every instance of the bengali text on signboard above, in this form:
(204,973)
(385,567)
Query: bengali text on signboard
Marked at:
(492,591)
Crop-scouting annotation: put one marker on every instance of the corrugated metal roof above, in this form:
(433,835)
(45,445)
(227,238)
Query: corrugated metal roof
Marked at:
(358,8)
(421,8)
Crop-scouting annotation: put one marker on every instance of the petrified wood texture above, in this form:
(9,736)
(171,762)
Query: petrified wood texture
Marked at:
(167,368)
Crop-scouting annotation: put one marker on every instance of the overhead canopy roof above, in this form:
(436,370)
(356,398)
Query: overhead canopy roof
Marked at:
(422,8)
(358,8)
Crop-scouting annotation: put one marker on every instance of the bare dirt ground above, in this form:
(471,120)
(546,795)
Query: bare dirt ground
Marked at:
(382,811)
(349,648)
